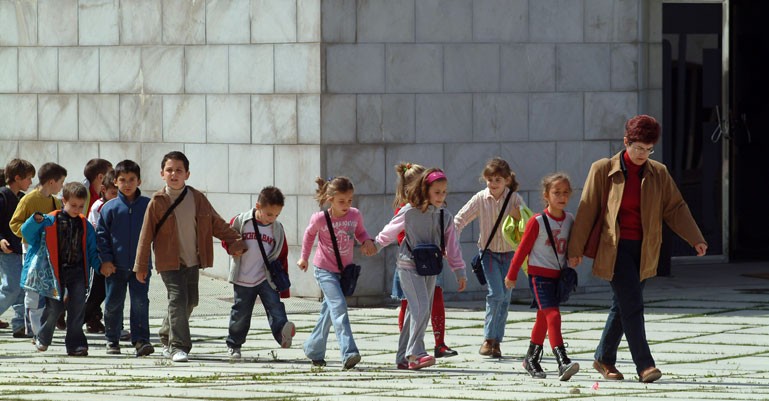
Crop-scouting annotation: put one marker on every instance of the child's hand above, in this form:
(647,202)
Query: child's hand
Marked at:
(302,264)
(509,283)
(368,248)
(38,217)
(5,246)
(462,284)
(575,261)
(141,277)
(239,252)
(107,269)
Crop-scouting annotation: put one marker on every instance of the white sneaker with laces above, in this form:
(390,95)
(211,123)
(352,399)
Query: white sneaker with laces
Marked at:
(234,353)
(166,352)
(180,356)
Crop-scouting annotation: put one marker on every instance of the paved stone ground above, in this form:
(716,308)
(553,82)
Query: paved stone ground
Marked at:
(708,327)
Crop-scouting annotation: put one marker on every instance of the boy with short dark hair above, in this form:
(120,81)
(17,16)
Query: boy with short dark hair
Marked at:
(181,223)
(19,178)
(94,173)
(249,274)
(71,245)
(41,199)
(118,236)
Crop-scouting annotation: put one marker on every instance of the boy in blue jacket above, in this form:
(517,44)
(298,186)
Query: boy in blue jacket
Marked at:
(71,244)
(118,236)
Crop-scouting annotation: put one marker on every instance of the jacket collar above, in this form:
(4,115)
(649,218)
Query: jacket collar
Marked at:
(618,165)
(125,200)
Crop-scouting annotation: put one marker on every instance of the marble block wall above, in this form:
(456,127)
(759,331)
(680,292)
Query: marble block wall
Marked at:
(235,84)
(545,84)
(275,92)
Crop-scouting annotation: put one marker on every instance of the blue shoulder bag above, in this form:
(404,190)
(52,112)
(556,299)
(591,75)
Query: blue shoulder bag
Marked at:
(428,258)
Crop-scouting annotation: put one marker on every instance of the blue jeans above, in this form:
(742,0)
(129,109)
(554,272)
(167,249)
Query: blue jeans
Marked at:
(495,267)
(243,308)
(333,310)
(116,286)
(73,281)
(11,294)
(626,314)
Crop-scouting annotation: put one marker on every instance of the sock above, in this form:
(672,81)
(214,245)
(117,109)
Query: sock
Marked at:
(438,317)
(539,330)
(402,314)
(553,316)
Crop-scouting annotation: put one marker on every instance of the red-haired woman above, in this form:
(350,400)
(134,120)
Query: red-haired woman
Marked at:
(641,195)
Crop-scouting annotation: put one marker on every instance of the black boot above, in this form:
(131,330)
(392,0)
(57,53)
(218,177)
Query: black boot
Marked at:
(531,361)
(566,368)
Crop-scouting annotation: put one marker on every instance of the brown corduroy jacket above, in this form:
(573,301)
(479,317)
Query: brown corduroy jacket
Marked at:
(166,241)
(660,201)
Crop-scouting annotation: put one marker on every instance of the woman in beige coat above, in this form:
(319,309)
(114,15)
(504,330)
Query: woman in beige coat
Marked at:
(641,195)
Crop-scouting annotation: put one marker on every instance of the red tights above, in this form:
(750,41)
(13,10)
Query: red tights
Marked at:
(548,322)
(438,317)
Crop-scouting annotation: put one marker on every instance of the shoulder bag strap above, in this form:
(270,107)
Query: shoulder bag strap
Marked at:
(259,239)
(170,210)
(443,235)
(550,236)
(333,240)
(53,200)
(496,224)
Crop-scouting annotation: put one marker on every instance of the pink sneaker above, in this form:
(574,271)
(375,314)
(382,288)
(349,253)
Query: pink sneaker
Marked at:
(422,362)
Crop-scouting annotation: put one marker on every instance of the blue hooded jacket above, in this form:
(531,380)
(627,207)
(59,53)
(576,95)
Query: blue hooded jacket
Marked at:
(118,230)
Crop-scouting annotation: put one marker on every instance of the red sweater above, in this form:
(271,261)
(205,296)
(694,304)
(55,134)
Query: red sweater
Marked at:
(630,208)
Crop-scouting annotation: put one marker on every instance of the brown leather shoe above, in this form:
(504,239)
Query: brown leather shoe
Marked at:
(609,372)
(486,347)
(649,375)
(495,351)
(4,325)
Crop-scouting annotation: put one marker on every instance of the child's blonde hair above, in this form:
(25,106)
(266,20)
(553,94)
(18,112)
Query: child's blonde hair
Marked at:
(418,190)
(406,172)
(549,180)
(499,167)
(327,189)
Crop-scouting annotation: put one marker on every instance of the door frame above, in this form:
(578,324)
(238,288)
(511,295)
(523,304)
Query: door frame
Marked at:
(725,143)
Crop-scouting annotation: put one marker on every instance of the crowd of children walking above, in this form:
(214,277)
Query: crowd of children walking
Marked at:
(52,260)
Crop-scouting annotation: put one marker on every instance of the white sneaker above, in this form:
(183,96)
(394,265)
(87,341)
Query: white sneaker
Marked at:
(234,353)
(166,352)
(180,356)
(287,334)
(40,347)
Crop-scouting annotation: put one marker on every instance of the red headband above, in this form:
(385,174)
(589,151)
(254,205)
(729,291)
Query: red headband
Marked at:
(435,176)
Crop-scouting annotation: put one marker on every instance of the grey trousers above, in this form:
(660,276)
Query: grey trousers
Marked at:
(419,291)
(182,288)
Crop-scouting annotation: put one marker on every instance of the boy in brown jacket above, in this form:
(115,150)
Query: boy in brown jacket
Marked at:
(181,223)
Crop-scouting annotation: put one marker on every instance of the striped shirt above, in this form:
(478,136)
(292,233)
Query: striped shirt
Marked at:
(484,207)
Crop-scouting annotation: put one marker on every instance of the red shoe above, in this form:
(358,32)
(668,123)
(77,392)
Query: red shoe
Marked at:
(422,362)
(403,366)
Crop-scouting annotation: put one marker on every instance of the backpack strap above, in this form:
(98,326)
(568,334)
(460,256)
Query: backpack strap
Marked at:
(333,240)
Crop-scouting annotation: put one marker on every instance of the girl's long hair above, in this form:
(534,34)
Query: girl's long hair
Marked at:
(418,190)
(406,173)
(330,187)
(499,167)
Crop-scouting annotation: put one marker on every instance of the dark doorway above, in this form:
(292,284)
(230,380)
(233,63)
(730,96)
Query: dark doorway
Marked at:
(749,134)
(692,106)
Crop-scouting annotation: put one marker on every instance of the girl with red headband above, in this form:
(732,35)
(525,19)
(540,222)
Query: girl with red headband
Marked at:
(426,224)
(407,173)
